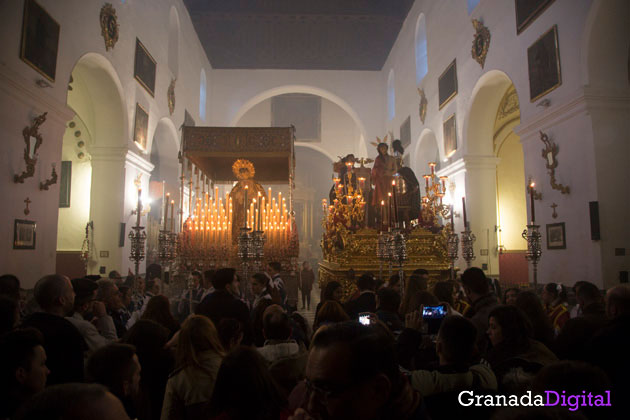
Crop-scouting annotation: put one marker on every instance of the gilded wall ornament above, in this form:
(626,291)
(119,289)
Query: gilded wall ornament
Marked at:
(422,108)
(170,94)
(32,139)
(481,42)
(549,154)
(109,26)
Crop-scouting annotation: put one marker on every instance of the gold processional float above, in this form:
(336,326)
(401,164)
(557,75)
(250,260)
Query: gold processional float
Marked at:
(246,227)
(376,221)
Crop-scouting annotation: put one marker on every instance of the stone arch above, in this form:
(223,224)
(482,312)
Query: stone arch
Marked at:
(173,41)
(425,151)
(281,90)
(606,45)
(478,129)
(98,178)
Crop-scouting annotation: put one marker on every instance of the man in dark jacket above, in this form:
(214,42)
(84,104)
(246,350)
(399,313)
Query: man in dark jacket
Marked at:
(477,289)
(222,304)
(576,331)
(63,343)
(610,347)
(366,302)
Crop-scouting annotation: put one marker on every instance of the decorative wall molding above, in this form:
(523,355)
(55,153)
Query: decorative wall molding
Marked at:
(25,91)
(470,162)
(138,162)
(581,102)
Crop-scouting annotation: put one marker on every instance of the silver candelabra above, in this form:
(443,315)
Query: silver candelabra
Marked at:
(534,248)
(453,248)
(468,253)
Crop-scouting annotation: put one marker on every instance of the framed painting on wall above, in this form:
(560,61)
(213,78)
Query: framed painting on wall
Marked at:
(543,62)
(447,84)
(141,127)
(527,11)
(65,184)
(24,234)
(40,40)
(450,136)
(144,68)
(556,238)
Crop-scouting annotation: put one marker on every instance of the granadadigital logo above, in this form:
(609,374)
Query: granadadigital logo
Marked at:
(549,399)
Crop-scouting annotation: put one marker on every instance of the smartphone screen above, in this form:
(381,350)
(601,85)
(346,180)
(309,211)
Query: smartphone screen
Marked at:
(433,316)
(364,319)
(434,312)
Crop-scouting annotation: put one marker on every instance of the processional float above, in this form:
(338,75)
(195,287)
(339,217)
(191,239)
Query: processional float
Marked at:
(226,217)
(400,230)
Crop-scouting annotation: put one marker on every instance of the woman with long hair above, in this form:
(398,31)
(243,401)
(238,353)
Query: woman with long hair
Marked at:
(159,310)
(261,288)
(330,312)
(510,333)
(416,283)
(332,291)
(244,374)
(197,361)
(532,307)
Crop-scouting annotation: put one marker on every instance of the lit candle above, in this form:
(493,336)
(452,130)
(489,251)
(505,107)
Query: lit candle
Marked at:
(139,207)
(464,211)
(444,178)
(452,222)
(426,179)
(389,210)
(432,165)
(172,214)
(531,200)
(168,196)
(382,212)
(245,207)
(395,203)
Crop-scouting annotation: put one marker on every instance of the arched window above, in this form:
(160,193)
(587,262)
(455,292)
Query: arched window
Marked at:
(202,96)
(391,96)
(422,64)
(471,5)
(173,41)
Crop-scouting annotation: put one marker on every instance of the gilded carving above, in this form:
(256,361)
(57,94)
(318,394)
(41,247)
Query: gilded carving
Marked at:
(109,26)
(170,94)
(33,140)
(422,108)
(549,155)
(481,42)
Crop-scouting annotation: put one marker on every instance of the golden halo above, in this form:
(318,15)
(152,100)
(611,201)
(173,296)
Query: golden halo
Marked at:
(243,169)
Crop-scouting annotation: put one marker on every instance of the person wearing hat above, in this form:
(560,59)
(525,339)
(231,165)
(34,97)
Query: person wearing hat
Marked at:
(101,330)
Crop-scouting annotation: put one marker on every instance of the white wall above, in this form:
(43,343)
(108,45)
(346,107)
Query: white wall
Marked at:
(340,135)
(21,100)
(358,93)
(593,43)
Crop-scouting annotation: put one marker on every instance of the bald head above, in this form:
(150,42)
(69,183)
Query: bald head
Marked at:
(617,301)
(54,293)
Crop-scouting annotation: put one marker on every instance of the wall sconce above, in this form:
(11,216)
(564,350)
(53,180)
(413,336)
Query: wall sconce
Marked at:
(33,140)
(52,180)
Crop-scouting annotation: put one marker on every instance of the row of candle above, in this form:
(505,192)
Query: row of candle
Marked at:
(268,215)
(211,219)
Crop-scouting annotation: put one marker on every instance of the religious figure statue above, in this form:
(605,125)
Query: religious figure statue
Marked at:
(382,173)
(244,171)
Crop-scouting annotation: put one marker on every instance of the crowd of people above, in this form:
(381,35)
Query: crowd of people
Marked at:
(405,348)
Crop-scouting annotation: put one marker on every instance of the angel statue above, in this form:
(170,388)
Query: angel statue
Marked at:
(244,171)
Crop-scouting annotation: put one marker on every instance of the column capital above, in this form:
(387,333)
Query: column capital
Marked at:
(469,162)
(139,163)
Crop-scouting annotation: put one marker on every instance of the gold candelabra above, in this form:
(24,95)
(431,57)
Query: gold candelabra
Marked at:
(432,206)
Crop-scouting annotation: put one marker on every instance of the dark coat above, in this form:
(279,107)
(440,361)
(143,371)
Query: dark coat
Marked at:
(221,304)
(307,278)
(64,347)
(570,342)
(366,302)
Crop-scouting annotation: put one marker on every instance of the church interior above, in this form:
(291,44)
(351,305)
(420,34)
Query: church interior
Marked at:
(206,154)
(456,82)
